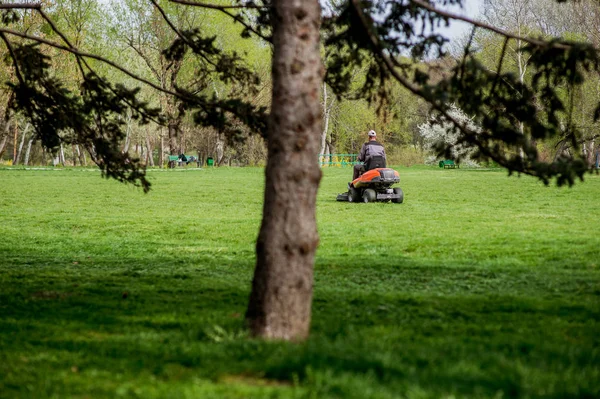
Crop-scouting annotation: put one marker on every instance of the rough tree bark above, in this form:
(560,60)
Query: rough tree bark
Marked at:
(280,302)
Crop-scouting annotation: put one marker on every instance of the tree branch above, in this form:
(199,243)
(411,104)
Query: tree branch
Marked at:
(178,32)
(11,50)
(59,33)
(381,53)
(145,58)
(500,63)
(31,6)
(224,10)
(78,57)
(216,6)
(92,56)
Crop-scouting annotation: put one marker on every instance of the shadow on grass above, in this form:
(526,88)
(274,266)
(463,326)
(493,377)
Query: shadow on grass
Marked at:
(390,331)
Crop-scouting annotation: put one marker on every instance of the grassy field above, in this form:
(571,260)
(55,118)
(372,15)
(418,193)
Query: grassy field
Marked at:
(478,286)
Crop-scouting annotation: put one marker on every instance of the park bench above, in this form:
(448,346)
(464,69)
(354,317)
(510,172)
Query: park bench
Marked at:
(448,164)
(179,160)
(340,160)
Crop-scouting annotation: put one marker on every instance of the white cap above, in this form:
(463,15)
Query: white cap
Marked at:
(372,133)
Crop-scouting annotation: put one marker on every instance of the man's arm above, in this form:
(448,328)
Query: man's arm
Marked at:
(363,153)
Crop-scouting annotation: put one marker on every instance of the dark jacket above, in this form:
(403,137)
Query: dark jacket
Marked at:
(371,149)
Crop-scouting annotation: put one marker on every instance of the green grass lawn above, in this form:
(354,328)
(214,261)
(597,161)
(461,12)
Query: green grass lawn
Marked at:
(478,286)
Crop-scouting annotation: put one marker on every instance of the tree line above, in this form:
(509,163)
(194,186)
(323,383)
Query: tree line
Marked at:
(136,33)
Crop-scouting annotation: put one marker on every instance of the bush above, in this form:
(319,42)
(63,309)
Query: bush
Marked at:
(405,156)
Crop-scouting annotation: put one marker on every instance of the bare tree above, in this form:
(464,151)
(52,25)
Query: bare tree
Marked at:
(20,149)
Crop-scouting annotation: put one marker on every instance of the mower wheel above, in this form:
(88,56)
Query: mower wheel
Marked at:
(353,195)
(369,195)
(398,190)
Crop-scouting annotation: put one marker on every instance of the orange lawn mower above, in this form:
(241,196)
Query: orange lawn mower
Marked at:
(374,185)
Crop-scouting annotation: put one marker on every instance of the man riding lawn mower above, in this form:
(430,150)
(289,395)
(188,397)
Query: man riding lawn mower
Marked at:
(372,180)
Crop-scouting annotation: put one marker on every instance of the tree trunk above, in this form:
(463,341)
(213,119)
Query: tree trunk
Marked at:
(4,134)
(561,149)
(16,138)
(82,157)
(92,151)
(62,155)
(173,130)
(141,151)
(20,150)
(3,142)
(74,151)
(182,141)
(161,153)
(149,152)
(28,152)
(219,149)
(326,115)
(280,302)
(591,154)
(127,141)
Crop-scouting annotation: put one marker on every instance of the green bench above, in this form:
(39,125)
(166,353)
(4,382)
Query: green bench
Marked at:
(448,164)
(174,160)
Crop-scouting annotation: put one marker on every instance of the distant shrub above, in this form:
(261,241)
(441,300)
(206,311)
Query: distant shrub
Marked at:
(405,156)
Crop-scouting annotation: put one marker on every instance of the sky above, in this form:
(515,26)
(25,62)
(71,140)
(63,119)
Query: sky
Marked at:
(457,28)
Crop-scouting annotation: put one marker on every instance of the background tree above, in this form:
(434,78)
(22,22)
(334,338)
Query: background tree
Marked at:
(546,19)
(144,34)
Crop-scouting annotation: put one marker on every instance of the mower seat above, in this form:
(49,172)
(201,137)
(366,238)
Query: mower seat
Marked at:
(375,162)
